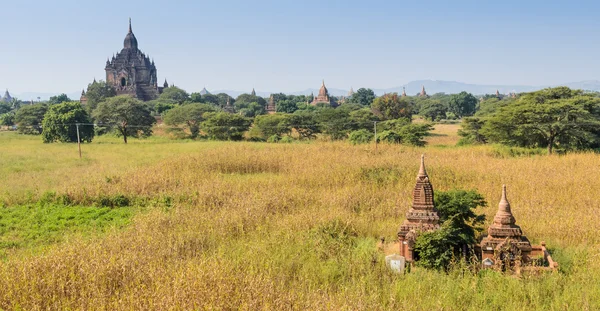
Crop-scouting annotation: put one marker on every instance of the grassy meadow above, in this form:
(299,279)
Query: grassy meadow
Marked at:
(181,225)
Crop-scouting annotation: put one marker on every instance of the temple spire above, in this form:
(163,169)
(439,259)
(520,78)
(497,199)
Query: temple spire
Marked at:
(404,91)
(130,31)
(422,171)
(504,205)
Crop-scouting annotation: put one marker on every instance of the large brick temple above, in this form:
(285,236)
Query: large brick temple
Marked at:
(131,72)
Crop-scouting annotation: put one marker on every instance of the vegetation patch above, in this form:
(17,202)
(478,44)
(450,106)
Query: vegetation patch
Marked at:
(36,225)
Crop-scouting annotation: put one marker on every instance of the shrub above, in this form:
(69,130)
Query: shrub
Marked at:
(360,137)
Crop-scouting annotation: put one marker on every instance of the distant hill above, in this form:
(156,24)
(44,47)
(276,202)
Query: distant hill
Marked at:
(412,88)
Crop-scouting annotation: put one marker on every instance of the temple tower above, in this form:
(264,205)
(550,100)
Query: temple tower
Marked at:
(271,106)
(323,96)
(131,72)
(423,93)
(422,216)
(6,98)
(505,241)
(403,91)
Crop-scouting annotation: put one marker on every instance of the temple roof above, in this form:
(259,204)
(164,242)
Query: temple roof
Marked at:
(423,192)
(504,215)
(130,41)
(6,96)
(253,92)
(204,91)
(323,91)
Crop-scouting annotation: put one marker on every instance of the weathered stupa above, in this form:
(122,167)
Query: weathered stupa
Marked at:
(422,216)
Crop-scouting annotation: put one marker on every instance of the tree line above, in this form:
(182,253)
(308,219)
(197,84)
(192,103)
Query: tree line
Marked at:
(222,117)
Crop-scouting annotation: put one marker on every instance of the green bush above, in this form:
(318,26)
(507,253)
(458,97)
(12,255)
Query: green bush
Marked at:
(360,137)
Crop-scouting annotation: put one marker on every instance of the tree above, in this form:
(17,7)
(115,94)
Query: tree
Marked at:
(29,119)
(304,123)
(7,119)
(463,104)
(286,105)
(433,110)
(190,115)
(59,99)
(334,122)
(361,136)
(98,92)
(5,108)
(391,106)
(401,131)
(210,99)
(60,124)
(244,100)
(363,119)
(471,131)
(271,125)
(362,96)
(554,117)
(174,94)
(459,225)
(251,110)
(196,97)
(222,99)
(127,115)
(225,126)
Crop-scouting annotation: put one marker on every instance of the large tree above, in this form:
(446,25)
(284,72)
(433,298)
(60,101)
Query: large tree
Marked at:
(554,117)
(334,122)
(29,119)
(463,104)
(60,124)
(391,106)
(433,109)
(270,125)
(174,94)
(127,115)
(4,107)
(191,116)
(305,123)
(225,126)
(363,97)
(59,99)
(98,92)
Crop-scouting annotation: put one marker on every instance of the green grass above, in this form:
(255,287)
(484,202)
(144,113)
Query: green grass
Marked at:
(30,226)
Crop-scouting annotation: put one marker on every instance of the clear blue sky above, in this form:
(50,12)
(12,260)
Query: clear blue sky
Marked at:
(61,45)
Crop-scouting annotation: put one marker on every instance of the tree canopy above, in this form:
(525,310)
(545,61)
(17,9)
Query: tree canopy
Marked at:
(29,118)
(362,96)
(128,116)
(98,92)
(463,104)
(191,116)
(60,124)
(391,106)
(58,99)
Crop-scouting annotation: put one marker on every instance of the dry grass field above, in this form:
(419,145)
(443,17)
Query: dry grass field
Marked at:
(256,226)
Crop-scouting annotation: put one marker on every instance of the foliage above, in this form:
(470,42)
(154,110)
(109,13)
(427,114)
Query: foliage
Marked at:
(191,116)
(250,110)
(433,110)
(463,104)
(98,92)
(127,115)
(29,119)
(174,94)
(362,96)
(460,223)
(244,100)
(334,122)
(4,107)
(391,106)
(360,137)
(225,126)
(59,99)
(401,131)
(7,119)
(363,119)
(60,124)
(471,131)
(555,117)
(286,105)
(273,125)
(305,124)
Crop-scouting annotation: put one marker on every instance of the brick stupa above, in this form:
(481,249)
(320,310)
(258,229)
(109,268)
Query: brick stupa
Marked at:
(422,216)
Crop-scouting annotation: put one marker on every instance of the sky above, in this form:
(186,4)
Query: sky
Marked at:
(285,46)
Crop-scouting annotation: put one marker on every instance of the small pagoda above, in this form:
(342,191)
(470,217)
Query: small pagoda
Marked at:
(271,106)
(422,216)
(506,247)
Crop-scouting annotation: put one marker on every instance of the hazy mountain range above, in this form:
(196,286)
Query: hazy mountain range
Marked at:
(412,88)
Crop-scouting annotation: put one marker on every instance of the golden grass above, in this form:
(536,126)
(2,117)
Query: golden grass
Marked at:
(289,226)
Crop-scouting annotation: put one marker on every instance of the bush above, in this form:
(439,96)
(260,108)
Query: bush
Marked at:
(360,137)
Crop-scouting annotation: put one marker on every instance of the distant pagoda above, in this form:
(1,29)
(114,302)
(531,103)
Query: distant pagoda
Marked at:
(323,96)
(422,216)
(271,106)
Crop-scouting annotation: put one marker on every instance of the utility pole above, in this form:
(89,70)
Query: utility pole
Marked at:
(78,140)
(375,125)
